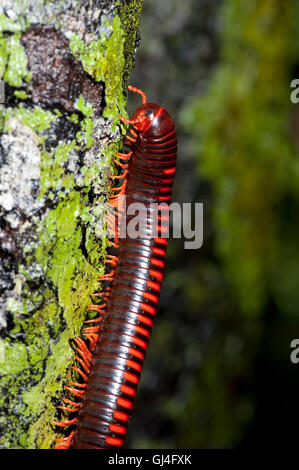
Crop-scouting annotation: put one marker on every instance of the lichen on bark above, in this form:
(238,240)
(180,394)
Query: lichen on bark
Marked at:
(66,69)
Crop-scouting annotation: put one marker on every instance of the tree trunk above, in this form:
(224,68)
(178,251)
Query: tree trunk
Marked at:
(66,66)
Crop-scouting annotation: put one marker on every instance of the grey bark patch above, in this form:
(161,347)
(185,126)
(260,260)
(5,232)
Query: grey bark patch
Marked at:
(20,174)
(57,78)
(19,180)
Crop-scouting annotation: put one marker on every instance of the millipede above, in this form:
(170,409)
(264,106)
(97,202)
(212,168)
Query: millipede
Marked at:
(111,356)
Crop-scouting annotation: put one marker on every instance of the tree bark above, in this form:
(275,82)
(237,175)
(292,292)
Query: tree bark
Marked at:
(66,66)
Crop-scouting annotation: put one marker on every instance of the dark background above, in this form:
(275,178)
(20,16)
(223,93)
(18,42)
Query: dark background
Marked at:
(218,372)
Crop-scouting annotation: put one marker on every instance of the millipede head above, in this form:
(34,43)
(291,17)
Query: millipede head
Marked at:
(153,121)
(149,117)
(145,115)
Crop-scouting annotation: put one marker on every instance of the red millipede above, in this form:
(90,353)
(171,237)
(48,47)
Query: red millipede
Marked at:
(112,364)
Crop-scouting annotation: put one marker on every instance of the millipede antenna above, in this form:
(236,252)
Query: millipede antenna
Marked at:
(144,100)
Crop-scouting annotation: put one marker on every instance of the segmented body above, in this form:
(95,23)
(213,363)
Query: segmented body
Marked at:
(119,353)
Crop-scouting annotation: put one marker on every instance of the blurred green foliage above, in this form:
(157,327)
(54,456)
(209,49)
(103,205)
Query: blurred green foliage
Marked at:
(244,150)
(218,372)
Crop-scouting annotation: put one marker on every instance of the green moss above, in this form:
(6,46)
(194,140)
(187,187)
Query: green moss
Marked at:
(15,358)
(16,70)
(6,24)
(22,95)
(13,60)
(36,118)
(129,14)
(104,60)
(87,125)
(69,272)
(73,118)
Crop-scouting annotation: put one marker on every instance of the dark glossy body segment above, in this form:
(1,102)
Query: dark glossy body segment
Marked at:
(127,326)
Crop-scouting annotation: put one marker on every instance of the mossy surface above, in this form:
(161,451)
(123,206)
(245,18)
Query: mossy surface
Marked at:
(62,253)
(13,61)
